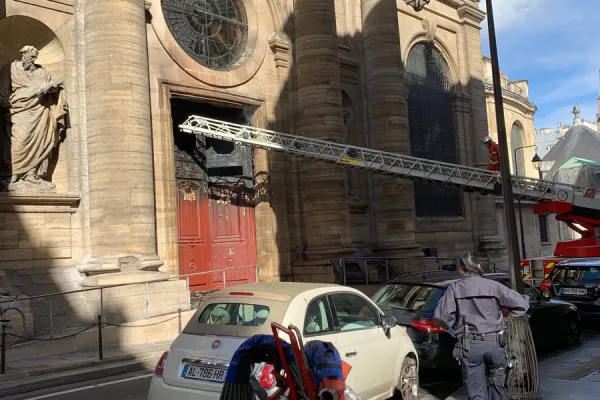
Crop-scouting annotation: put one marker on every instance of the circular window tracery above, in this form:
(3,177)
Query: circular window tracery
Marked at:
(214,33)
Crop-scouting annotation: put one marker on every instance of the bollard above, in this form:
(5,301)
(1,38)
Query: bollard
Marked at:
(100,349)
(179,319)
(525,384)
(3,348)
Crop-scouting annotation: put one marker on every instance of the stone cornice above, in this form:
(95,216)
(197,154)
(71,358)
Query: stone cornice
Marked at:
(515,99)
(40,199)
(280,48)
(470,14)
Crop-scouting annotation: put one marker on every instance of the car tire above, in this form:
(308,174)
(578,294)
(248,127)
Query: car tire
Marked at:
(409,376)
(572,334)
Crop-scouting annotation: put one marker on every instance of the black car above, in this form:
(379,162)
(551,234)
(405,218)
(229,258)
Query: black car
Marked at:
(577,281)
(412,299)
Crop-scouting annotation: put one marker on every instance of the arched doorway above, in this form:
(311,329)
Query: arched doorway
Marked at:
(431,125)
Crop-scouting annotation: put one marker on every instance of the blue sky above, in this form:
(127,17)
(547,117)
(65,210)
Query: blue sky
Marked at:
(555,45)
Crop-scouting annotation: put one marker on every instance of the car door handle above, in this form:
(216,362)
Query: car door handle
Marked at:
(351,354)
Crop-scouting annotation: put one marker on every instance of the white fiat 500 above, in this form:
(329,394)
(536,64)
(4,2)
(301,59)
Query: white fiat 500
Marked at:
(382,355)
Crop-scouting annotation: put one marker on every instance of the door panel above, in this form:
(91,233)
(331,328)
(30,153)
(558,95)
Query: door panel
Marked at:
(362,340)
(233,243)
(193,233)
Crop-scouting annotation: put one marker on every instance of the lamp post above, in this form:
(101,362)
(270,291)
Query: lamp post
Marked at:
(536,161)
(512,238)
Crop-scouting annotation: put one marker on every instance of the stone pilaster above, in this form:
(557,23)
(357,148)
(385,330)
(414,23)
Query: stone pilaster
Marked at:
(121,193)
(324,188)
(388,125)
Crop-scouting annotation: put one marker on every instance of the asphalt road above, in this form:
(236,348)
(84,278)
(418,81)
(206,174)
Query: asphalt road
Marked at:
(134,386)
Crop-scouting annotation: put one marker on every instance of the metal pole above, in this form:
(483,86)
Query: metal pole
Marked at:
(512,240)
(51,320)
(147,306)
(520,210)
(100,349)
(101,302)
(189,294)
(223,279)
(179,320)
(3,348)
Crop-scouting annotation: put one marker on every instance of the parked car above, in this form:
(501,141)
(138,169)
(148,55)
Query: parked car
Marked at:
(412,299)
(576,281)
(378,350)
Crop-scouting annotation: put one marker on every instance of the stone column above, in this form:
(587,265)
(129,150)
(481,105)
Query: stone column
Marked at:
(324,188)
(388,125)
(121,179)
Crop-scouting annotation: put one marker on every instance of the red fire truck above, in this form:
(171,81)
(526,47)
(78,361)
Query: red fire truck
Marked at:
(583,218)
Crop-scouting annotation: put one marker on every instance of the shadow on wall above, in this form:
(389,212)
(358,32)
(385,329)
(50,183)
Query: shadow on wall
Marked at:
(441,126)
(36,228)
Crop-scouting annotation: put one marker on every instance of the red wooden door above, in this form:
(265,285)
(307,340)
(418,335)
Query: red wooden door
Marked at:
(193,234)
(233,239)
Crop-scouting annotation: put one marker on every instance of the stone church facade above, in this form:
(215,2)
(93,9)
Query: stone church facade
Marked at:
(134,198)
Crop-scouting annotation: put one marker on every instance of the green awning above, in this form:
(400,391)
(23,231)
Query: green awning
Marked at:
(576,162)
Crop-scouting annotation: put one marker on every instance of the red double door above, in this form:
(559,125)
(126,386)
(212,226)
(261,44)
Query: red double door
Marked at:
(216,236)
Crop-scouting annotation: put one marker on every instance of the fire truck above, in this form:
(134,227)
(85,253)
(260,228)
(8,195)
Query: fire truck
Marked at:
(583,219)
(578,207)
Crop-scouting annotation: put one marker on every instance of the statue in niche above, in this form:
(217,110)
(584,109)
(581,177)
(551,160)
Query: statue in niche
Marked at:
(34,112)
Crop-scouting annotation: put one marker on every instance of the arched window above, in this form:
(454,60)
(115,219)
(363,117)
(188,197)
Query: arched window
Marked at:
(431,125)
(516,141)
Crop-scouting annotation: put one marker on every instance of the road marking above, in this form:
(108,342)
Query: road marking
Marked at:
(90,387)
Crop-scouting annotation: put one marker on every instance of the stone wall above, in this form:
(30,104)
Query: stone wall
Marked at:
(37,237)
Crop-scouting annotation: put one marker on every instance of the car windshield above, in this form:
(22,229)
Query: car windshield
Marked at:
(576,274)
(234,314)
(408,297)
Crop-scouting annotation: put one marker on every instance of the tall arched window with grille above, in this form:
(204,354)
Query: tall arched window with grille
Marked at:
(431,125)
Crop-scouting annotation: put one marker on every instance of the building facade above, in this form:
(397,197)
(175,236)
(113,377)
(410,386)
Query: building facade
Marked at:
(135,198)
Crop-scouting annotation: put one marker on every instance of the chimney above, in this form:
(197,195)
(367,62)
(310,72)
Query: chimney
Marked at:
(576,117)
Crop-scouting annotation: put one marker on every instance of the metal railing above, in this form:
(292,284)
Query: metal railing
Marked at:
(218,280)
(379,270)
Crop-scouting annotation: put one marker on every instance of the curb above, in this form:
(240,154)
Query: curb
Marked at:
(13,376)
(76,374)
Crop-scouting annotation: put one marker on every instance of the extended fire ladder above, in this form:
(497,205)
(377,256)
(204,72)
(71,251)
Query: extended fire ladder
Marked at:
(397,165)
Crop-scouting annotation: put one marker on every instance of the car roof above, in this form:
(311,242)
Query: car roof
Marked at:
(442,278)
(279,291)
(581,262)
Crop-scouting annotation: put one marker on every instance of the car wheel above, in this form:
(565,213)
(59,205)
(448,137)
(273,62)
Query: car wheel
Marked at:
(408,384)
(573,334)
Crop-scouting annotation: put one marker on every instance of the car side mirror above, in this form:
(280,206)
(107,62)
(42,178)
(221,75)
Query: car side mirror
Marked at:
(388,322)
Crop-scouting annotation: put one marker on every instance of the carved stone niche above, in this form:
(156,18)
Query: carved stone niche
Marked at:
(31,127)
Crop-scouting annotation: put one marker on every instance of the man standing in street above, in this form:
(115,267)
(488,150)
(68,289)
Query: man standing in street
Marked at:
(494,151)
(472,307)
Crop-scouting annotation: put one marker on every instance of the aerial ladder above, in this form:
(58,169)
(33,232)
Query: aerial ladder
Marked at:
(578,207)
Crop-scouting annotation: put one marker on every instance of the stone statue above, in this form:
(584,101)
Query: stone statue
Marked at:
(34,119)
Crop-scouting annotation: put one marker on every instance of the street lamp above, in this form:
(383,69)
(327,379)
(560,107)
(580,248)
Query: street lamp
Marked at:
(537,163)
(418,5)
(512,239)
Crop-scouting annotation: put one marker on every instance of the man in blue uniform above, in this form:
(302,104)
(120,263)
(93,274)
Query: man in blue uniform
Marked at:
(472,307)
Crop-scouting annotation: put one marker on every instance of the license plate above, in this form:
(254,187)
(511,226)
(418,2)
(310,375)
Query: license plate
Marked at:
(203,373)
(581,292)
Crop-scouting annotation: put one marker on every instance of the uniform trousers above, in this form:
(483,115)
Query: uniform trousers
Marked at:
(475,362)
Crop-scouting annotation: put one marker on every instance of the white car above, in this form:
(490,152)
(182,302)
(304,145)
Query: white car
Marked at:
(383,358)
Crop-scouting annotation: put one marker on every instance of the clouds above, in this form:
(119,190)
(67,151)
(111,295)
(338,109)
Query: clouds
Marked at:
(555,44)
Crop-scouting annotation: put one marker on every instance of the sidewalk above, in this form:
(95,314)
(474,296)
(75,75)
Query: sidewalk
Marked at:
(571,375)
(44,372)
